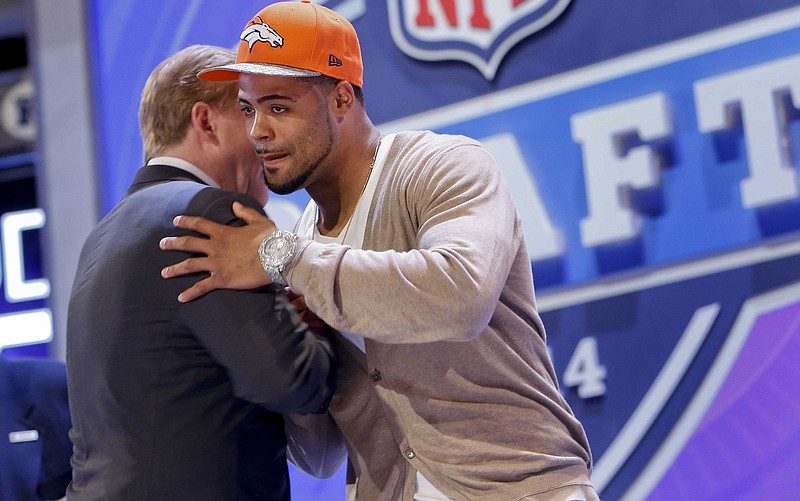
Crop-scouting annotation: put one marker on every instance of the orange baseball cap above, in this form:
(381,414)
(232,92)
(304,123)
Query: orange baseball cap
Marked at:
(295,39)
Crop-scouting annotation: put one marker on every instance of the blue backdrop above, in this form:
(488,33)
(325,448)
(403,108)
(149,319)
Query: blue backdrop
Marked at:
(651,150)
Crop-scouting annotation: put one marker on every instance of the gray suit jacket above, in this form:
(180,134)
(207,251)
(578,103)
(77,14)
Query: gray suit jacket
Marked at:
(174,401)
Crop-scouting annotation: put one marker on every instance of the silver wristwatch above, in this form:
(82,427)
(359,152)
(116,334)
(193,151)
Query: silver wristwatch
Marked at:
(275,251)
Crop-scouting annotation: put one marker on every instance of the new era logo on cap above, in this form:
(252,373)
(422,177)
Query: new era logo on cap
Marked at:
(334,61)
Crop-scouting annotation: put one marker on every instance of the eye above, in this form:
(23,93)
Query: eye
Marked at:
(278,109)
(247,110)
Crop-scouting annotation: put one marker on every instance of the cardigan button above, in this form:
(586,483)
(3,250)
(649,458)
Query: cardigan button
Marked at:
(409,453)
(375,376)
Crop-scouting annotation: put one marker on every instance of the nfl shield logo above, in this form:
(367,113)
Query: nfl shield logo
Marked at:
(479,32)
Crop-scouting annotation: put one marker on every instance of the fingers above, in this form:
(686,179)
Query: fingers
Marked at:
(226,255)
(185,267)
(306,315)
(247,214)
(314,322)
(299,303)
(198,224)
(185,243)
(195,291)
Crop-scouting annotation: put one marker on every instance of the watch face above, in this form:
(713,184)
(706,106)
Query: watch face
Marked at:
(277,250)
(274,248)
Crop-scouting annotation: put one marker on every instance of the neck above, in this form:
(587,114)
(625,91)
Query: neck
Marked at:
(195,153)
(336,206)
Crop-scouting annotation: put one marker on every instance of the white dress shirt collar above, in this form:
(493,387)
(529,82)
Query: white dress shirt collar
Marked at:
(184,165)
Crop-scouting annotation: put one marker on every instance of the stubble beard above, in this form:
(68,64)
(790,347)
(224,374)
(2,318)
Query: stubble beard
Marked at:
(317,134)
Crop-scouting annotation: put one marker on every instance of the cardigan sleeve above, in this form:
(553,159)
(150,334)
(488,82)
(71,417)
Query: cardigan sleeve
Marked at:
(449,231)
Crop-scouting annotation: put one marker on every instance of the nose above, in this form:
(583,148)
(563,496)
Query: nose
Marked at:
(260,128)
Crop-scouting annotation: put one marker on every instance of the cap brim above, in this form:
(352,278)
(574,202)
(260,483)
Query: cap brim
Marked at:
(232,71)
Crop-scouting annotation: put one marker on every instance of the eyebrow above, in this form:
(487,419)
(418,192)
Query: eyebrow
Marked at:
(270,97)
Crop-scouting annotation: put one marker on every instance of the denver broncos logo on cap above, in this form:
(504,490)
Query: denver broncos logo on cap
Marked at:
(262,32)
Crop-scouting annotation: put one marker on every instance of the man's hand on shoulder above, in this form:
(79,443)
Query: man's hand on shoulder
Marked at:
(230,253)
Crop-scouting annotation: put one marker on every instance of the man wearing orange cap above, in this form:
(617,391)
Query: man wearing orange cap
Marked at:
(411,248)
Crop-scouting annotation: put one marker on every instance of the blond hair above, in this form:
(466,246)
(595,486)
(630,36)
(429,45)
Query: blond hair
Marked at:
(173,88)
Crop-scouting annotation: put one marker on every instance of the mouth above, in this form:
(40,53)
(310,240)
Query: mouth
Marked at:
(270,158)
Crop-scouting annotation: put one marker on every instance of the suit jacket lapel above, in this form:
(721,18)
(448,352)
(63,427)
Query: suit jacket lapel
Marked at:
(154,174)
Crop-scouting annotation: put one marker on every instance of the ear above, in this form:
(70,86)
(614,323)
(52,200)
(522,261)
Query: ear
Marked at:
(343,97)
(203,120)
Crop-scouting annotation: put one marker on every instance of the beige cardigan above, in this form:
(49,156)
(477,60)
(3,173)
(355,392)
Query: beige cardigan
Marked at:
(456,382)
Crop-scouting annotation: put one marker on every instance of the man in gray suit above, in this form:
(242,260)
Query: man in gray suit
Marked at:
(174,401)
